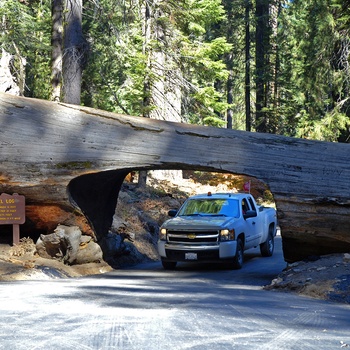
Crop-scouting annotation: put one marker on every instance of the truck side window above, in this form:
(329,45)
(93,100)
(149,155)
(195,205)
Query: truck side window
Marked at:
(245,206)
(252,204)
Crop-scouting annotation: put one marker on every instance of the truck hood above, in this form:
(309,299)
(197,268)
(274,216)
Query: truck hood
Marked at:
(198,222)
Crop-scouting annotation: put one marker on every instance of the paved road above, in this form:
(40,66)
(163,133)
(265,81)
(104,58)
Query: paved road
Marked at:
(147,308)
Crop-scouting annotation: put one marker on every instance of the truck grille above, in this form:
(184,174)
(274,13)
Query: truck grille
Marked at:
(190,237)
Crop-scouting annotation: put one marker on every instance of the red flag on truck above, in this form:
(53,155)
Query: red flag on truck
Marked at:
(246,186)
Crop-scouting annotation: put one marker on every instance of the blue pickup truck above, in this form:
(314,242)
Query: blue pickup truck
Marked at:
(217,228)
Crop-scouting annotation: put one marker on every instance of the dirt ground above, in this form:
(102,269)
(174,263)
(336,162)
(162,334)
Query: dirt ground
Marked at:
(326,277)
(16,265)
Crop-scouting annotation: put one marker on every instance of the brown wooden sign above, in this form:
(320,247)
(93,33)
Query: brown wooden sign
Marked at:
(12,212)
(12,209)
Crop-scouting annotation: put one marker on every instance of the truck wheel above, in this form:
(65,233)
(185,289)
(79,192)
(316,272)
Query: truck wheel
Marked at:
(169,265)
(238,259)
(266,248)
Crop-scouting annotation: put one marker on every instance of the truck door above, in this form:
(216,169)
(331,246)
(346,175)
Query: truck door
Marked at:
(259,223)
(253,229)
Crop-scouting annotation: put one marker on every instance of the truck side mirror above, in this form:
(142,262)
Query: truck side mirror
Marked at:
(250,214)
(172,212)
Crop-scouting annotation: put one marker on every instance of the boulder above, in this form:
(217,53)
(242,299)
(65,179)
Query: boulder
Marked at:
(69,246)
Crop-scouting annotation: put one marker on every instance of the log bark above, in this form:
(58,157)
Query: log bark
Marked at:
(69,161)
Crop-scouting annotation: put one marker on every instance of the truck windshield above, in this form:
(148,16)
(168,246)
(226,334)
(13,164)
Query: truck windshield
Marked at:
(212,207)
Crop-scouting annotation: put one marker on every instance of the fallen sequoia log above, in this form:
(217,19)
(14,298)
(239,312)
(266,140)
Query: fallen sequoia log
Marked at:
(70,161)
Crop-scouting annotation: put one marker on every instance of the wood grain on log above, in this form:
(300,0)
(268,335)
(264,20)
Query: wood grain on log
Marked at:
(48,147)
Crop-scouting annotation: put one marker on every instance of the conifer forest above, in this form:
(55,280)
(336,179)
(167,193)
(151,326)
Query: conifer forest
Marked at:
(273,66)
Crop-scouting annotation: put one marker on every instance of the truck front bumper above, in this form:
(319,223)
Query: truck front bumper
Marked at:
(179,252)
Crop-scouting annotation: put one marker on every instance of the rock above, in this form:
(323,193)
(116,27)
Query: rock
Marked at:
(67,245)
(119,225)
(71,237)
(89,251)
(113,246)
(50,246)
(293,264)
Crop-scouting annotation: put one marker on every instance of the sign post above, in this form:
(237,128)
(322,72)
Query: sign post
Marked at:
(12,212)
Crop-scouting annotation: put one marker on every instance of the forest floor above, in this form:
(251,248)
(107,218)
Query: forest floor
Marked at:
(142,210)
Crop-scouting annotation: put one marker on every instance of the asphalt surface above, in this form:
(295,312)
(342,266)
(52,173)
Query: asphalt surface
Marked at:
(194,307)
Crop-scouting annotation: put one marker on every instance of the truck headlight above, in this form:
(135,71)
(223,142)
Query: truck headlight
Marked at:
(227,235)
(162,234)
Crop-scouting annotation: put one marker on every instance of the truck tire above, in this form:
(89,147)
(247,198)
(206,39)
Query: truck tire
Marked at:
(267,248)
(239,257)
(169,265)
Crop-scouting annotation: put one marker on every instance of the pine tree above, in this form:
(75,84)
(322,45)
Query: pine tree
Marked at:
(180,61)
(313,81)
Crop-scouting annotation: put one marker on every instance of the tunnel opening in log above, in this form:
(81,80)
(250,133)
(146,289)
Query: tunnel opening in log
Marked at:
(96,195)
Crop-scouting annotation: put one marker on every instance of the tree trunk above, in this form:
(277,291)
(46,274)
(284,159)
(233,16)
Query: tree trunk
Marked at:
(261,52)
(248,122)
(57,49)
(74,52)
(21,74)
(7,81)
(70,161)
(229,64)
(147,87)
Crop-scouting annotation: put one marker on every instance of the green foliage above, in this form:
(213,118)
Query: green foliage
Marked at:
(329,128)
(313,82)
(196,17)
(194,48)
(25,33)
(115,76)
(17,21)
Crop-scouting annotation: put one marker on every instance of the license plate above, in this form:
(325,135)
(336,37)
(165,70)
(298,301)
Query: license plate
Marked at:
(191,256)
